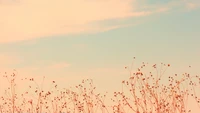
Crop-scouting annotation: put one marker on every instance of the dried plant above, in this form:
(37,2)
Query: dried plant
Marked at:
(142,92)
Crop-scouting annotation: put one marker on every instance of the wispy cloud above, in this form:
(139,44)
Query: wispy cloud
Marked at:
(7,60)
(37,18)
(28,19)
(192,6)
(61,65)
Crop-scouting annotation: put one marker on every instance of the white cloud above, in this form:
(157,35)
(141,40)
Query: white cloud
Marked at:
(28,19)
(59,65)
(7,60)
(37,18)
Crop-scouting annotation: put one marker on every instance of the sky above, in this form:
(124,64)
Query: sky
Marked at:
(67,40)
